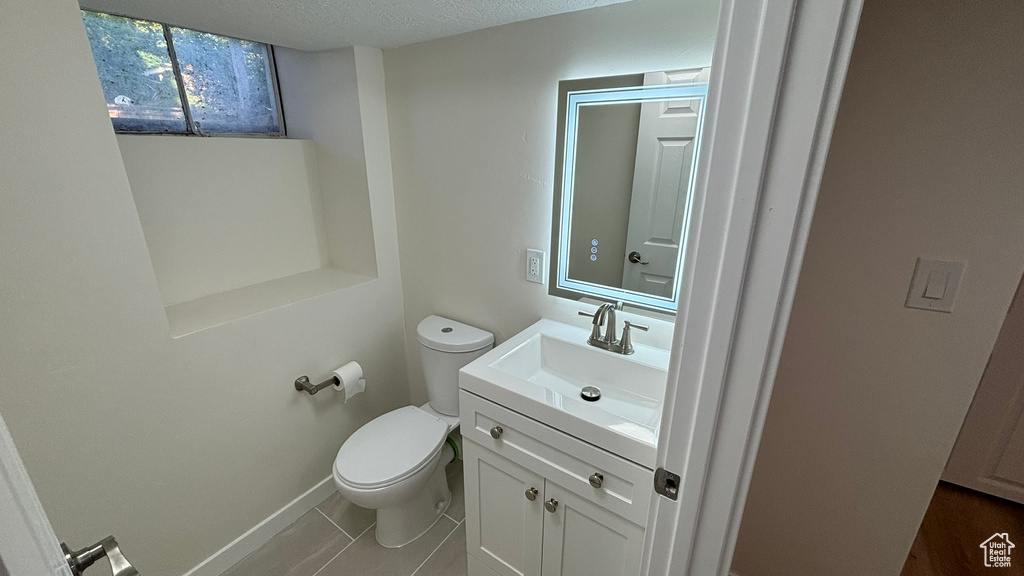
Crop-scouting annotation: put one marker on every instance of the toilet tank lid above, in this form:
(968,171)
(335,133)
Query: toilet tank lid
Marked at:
(450,336)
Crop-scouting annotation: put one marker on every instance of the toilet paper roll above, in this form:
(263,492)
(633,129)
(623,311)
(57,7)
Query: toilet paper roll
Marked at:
(350,379)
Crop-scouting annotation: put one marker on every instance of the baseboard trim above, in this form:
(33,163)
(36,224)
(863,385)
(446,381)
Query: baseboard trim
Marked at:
(261,533)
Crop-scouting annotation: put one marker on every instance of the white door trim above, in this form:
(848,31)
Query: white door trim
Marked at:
(777,76)
(27,542)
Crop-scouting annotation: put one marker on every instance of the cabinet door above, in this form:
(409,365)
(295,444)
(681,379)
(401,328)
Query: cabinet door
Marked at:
(583,539)
(503,526)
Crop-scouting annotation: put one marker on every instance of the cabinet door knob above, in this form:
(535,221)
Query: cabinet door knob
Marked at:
(531,494)
(551,505)
(496,432)
(596,479)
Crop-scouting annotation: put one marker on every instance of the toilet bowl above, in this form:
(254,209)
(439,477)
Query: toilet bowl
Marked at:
(395,463)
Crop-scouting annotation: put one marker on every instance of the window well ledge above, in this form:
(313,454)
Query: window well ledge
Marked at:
(217,309)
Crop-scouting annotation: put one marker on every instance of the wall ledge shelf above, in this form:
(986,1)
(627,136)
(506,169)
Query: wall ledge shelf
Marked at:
(218,309)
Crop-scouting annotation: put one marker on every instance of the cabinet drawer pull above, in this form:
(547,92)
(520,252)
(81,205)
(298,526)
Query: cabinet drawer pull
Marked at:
(496,432)
(551,505)
(596,479)
(531,494)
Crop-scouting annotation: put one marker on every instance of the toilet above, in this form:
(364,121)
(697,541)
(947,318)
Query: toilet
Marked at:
(395,464)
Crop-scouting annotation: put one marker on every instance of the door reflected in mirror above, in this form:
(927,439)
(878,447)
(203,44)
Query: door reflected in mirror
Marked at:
(625,177)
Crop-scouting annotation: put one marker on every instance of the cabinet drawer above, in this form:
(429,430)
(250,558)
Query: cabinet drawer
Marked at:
(625,488)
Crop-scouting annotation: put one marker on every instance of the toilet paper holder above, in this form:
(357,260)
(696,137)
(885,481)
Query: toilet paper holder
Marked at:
(303,383)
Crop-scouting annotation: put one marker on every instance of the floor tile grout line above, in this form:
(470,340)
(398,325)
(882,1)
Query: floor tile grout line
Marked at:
(345,548)
(431,555)
(365,529)
(317,508)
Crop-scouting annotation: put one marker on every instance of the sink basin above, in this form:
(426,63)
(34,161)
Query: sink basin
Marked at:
(631,390)
(541,372)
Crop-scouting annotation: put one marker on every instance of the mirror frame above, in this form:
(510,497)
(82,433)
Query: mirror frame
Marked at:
(610,90)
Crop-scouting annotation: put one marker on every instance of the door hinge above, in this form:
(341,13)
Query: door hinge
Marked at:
(666,483)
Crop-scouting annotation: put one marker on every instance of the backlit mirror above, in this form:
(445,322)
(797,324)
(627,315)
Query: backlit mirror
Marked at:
(625,169)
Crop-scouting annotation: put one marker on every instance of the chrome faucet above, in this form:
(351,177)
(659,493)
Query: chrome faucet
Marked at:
(607,341)
(607,311)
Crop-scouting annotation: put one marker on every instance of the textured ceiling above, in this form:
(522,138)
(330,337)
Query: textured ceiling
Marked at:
(323,24)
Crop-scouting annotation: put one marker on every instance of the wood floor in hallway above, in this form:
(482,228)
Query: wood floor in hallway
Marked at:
(957,522)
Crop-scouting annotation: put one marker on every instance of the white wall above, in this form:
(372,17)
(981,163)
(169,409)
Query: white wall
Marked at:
(321,102)
(924,161)
(473,144)
(223,213)
(175,446)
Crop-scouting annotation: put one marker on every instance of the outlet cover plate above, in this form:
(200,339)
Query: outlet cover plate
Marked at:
(535,266)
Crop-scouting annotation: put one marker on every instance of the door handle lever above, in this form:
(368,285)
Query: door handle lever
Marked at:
(79,560)
(635,258)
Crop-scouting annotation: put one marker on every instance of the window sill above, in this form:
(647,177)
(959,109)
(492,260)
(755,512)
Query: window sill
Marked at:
(266,135)
(218,309)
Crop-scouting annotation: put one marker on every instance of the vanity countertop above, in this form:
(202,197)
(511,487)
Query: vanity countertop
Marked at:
(541,372)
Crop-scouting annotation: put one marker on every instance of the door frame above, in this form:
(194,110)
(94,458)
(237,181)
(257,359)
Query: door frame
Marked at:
(28,544)
(777,77)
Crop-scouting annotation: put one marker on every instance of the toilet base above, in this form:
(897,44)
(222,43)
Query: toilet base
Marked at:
(406,521)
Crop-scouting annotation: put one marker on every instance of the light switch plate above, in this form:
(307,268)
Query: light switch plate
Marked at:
(935,284)
(535,266)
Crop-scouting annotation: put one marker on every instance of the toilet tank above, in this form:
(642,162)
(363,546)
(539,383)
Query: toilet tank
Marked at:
(446,346)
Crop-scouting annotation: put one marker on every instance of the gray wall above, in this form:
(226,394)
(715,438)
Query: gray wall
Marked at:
(869,397)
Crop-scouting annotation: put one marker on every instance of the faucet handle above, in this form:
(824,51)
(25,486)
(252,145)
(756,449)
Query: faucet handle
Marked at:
(626,344)
(598,316)
(637,326)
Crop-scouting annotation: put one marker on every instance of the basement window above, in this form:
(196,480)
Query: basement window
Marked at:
(148,70)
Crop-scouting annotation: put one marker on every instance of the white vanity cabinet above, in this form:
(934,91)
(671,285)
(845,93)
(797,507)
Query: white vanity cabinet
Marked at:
(504,529)
(541,502)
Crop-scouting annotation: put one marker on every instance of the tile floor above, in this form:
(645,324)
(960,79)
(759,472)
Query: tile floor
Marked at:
(336,539)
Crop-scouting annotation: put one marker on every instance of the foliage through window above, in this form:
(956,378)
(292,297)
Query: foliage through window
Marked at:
(148,69)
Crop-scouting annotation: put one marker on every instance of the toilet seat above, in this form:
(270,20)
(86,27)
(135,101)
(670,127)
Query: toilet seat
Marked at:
(390,448)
